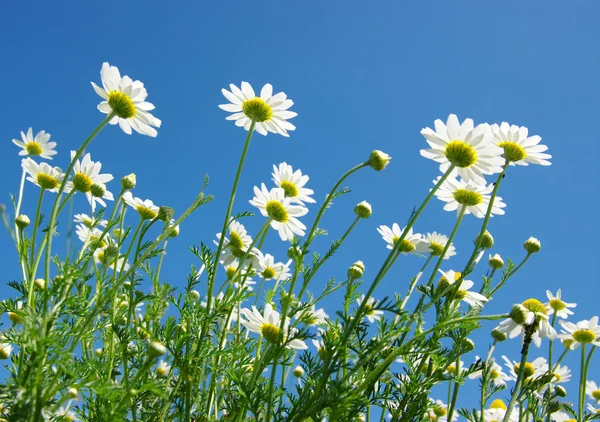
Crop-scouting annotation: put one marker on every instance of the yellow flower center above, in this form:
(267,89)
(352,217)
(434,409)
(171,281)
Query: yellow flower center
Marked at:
(405,245)
(146,213)
(467,197)
(46,181)
(444,283)
(121,104)
(230,272)
(498,404)
(33,148)
(557,304)
(557,377)
(494,374)
(440,411)
(82,182)
(535,306)
(584,336)
(235,240)
(290,189)
(270,332)
(460,295)
(529,369)
(460,154)
(95,239)
(268,273)
(596,395)
(257,109)
(277,211)
(436,249)
(513,151)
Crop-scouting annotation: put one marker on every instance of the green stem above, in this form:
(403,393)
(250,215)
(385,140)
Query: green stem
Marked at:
(582,378)
(33,242)
(512,273)
(521,375)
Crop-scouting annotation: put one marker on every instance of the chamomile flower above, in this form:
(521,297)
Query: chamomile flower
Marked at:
(314,316)
(584,332)
(496,375)
(469,148)
(593,409)
(163,368)
(438,412)
(519,148)
(5,348)
(463,293)
(592,390)
(269,112)
(88,235)
(101,258)
(371,313)
(36,147)
(561,416)
(87,179)
(236,245)
(320,346)
(532,311)
(292,182)
(284,216)
(555,304)
(42,175)
(89,221)
(476,197)
(437,242)
(497,411)
(562,374)
(127,99)
(533,370)
(268,269)
(412,242)
(145,208)
(268,324)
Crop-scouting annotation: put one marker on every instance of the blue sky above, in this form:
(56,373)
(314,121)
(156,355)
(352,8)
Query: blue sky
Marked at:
(363,76)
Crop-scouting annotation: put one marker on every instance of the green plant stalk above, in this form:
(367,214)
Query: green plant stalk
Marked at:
(33,242)
(529,330)
(484,384)
(513,272)
(582,377)
(414,283)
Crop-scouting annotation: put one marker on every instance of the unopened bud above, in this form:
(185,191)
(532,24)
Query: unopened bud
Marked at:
(98,352)
(363,209)
(194,294)
(498,335)
(72,393)
(356,270)
(487,240)
(15,318)
(379,160)
(175,231)
(98,190)
(22,221)
(560,391)
(467,344)
(40,283)
(128,182)
(156,349)
(496,262)
(532,245)
(298,371)
(518,314)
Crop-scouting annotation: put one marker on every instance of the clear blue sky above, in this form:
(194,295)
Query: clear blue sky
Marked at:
(363,76)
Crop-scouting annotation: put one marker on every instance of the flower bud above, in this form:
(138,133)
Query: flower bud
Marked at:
(356,270)
(553,407)
(5,350)
(518,313)
(15,318)
(194,294)
(72,393)
(156,349)
(40,283)
(128,182)
(98,190)
(379,160)
(175,231)
(298,371)
(496,262)
(560,391)
(165,213)
(294,252)
(532,245)
(487,240)
(467,344)
(22,221)
(98,352)
(363,210)
(498,335)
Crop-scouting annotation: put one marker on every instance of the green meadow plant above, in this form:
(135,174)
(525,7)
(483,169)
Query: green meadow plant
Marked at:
(95,334)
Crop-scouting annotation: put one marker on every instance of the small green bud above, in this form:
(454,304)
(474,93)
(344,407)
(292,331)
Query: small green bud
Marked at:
(40,283)
(194,294)
(156,349)
(356,270)
(98,190)
(467,344)
(496,262)
(487,241)
(498,335)
(532,245)
(363,209)
(22,221)
(518,314)
(298,371)
(165,213)
(72,393)
(128,182)
(294,252)
(15,318)
(560,391)
(379,160)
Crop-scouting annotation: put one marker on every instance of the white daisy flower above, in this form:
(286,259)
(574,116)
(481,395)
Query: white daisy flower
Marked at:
(319,345)
(87,179)
(469,148)
(268,325)
(163,368)
(561,374)
(437,242)
(145,208)
(592,390)
(5,349)
(555,303)
(593,409)
(412,243)
(497,411)
(529,312)
(127,99)
(270,112)
(268,269)
(88,235)
(371,313)
(42,175)
(292,182)
(584,332)
(519,148)
(474,196)
(463,293)
(36,147)
(236,245)
(100,259)
(496,375)
(439,412)
(533,370)
(283,215)
(314,316)
(89,221)
(561,416)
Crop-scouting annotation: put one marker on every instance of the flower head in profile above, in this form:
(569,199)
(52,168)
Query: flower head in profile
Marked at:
(438,412)
(463,293)
(89,221)
(236,244)
(437,242)
(86,235)
(292,182)
(584,332)
(89,180)
(475,197)
(284,216)
(242,276)
(36,147)
(497,411)
(519,148)
(469,148)
(314,316)
(412,242)
(592,390)
(556,304)
(126,98)
(269,112)
(102,256)
(532,311)
(533,370)
(268,324)
(371,313)
(268,269)
(145,208)
(496,375)
(42,175)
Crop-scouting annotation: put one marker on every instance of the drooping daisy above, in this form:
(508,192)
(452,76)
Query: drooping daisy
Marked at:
(87,179)
(519,148)
(283,215)
(145,208)
(412,243)
(89,221)
(127,99)
(463,293)
(36,147)
(496,374)
(497,411)
(46,177)
(555,304)
(292,182)
(371,313)
(584,332)
(533,370)
(236,245)
(269,112)
(268,269)
(532,311)
(268,325)
(469,148)
(592,390)
(437,242)
(475,197)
